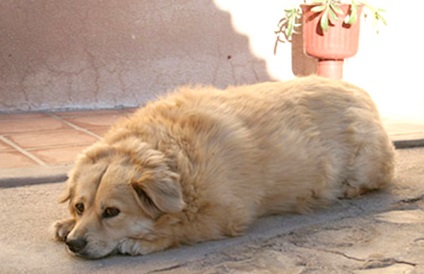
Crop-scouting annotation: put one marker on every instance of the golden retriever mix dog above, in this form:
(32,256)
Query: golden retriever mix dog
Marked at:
(202,164)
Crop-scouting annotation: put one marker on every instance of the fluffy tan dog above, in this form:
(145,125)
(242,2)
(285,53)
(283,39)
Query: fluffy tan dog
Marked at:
(203,164)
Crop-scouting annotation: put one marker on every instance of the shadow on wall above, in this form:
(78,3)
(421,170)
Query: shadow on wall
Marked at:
(105,54)
(302,65)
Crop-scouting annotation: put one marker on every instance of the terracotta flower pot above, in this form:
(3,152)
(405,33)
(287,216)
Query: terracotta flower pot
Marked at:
(331,47)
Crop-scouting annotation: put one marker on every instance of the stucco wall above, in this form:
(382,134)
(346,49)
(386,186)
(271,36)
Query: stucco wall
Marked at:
(98,54)
(60,54)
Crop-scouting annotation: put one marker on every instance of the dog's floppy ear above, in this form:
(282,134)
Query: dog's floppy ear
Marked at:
(69,190)
(159,194)
(86,164)
(66,194)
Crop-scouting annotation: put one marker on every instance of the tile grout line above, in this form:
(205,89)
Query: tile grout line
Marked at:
(75,126)
(23,151)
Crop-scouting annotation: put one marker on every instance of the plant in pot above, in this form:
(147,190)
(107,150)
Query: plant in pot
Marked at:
(330,30)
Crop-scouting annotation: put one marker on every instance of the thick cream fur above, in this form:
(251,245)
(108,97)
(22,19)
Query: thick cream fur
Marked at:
(202,163)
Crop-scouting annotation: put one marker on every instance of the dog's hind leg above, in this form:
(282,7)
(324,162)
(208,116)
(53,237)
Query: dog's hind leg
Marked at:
(371,165)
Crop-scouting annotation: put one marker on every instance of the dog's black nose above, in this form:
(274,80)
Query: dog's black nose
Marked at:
(76,245)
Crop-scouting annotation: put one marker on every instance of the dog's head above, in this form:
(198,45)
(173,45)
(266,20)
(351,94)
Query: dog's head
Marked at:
(116,193)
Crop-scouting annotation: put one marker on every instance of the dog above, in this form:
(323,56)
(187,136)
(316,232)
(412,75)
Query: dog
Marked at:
(203,164)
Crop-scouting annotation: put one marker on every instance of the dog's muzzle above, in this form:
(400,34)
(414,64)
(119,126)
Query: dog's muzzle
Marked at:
(76,245)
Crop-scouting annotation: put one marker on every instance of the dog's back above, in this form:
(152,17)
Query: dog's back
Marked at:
(271,147)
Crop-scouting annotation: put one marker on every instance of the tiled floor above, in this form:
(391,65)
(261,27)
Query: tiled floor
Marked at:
(52,139)
(44,139)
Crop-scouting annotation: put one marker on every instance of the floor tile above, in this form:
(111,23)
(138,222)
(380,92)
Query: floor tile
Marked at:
(5,147)
(404,128)
(100,131)
(96,120)
(63,137)
(55,156)
(84,113)
(25,116)
(23,123)
(14,159)
(128,111)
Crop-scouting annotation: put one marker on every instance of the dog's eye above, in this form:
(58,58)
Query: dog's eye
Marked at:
(110,212)
(79,208)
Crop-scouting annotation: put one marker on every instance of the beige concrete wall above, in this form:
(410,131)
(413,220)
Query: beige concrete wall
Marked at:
(57,54)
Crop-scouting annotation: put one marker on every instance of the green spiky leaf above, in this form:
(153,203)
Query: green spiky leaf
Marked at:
(353,16)
(318,8)
(324,20)
(336,8)
(333,16)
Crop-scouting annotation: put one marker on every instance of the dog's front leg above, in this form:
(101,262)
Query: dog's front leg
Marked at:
(135,247)
(62,228)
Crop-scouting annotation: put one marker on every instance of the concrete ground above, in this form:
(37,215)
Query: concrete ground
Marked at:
(382,232)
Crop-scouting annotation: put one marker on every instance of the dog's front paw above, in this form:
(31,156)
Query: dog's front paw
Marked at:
(136,247)
(61,229)
(131,247)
